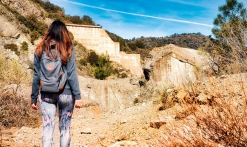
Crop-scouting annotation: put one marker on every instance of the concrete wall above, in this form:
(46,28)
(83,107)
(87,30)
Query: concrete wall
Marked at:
(170,71)
(95,38)
(131,62)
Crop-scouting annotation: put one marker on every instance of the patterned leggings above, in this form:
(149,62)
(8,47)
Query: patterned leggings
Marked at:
(48,104)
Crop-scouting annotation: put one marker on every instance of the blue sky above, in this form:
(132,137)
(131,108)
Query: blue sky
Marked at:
(148,18)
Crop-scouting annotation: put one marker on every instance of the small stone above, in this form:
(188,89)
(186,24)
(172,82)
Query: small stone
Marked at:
(147,137)
(102,137)
(156,124)
(223,76)
(169,90)
(121,137)
(123,121)
(86,131)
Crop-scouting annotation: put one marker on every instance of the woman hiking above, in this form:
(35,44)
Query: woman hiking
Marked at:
(55,47)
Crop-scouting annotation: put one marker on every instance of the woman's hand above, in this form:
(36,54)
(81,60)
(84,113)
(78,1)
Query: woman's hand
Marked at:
(34,106)
(78,103)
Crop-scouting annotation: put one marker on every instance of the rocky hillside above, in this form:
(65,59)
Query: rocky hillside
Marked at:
(14,29)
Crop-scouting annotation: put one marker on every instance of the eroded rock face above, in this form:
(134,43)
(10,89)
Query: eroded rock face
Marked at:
(7,29)
(109,95)
(23,7)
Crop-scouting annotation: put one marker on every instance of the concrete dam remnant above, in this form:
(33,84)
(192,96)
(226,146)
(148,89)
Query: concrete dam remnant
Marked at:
(171,65)
(95,38)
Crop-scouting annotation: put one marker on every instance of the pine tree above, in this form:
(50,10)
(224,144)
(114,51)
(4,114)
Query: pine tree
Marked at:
(230,31)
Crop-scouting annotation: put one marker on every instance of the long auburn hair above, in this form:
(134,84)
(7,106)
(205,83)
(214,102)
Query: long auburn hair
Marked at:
(63,44)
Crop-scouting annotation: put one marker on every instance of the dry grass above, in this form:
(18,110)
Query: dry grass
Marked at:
(223,124)
(214,115)
(15,111)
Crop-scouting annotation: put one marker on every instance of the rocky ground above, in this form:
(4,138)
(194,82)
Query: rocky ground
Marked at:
(129,127)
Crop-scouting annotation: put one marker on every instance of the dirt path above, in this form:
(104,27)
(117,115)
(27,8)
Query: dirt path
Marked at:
(128,127)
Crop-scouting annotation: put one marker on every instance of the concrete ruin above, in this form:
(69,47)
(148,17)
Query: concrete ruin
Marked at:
(95,38)
(171,66)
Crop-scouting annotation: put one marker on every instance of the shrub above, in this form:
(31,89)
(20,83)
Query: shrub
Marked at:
(34,35)
(101,72)
(224,124)
(123,75)
(24,46)
(12,72)
(136,100)
(139,43)
(13,47)
(103,68)
(13,108)
(56,16)
(92,58)
(48,7)
(40,27)
(75,19)
(14,112)
(83,62)
(86,20)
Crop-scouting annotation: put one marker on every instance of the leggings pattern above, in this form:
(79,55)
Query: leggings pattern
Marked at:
(49,104)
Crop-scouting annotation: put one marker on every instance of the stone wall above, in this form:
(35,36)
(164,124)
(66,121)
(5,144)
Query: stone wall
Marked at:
(95,38)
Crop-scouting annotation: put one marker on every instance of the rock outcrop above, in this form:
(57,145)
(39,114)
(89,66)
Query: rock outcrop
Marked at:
(109,95)
(23,7)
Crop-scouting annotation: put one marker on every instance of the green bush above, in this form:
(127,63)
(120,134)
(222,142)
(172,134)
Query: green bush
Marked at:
(103,68)
(34,35)
(83,62)
(86,20)
(75,19)
(101,72)
(93,58)
(136,100)
(48,7)
(56,16)
(41,27)
(24,46)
